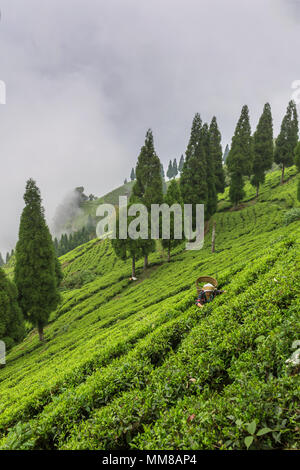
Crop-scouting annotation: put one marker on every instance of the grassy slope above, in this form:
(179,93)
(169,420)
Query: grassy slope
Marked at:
(139,366)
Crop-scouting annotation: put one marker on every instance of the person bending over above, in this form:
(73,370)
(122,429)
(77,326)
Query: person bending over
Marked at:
(207,294)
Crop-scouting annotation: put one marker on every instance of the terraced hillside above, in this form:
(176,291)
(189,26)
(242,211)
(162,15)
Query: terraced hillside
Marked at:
(138,365)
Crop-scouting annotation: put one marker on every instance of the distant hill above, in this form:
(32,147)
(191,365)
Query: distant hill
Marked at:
(90,207)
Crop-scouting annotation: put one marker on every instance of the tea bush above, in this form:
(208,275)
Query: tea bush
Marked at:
(130,365)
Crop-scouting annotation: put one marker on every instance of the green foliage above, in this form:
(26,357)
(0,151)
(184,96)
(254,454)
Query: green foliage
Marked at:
(175,168)
(138,365)
(240,158)
(287,139)
(170,170)
(148,185)
(297,156)
(11,320)
(181,163)
(78,279)
(291,216)
(148,188)
(69,242)
(193,180)
(263,147)
(212,200)
(129,248)
(215,154)
(173,196)
(297,163)
(36,267)
(132,175)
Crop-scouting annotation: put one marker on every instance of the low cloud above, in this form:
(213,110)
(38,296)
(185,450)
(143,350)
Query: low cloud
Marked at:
(86,79)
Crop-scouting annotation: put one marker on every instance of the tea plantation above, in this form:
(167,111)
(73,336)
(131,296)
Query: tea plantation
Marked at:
(136,365)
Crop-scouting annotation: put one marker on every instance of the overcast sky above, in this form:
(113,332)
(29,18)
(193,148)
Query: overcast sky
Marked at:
(86,78)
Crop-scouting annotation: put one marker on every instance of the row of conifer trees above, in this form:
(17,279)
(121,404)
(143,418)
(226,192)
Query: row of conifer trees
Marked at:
(34,294)
(202,174)
(202,178)
(252,155)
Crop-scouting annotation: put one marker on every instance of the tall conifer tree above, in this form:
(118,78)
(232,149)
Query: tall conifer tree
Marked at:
(263,147)
(193,184)
(12,327)
(148,188)
(170,170)
(240,157)
(37,272)
(287,139)
(175,168)
(215,151)
(132,175)
(181,163)
(211,203)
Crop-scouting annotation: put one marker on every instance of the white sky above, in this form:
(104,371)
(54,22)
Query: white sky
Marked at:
(86,79)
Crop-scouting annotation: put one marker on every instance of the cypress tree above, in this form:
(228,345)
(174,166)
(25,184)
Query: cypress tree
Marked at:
(12,328)
(132,175)
(181,163)
(162,172)
(212,199)
(175,169)
(287,139)
(1,260)
(193,184)
(240,157)
(173,196)
(263,148)
(148,188)
(215,151)
(36,264)
(7,258)
(170,170)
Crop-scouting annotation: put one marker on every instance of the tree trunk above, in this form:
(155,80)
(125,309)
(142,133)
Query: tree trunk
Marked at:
(257,190)
(169,253)
(282,174)
(146,262)
(41,332)
(133,266)
(213,238)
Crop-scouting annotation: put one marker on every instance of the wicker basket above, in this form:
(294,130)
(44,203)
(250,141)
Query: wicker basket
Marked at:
(206,279)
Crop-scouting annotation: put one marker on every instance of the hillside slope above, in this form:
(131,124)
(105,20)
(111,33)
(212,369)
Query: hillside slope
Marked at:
(138,365)
(90,207)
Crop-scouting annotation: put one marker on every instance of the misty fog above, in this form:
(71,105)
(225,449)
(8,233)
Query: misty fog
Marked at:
(86,78)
